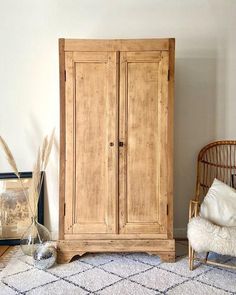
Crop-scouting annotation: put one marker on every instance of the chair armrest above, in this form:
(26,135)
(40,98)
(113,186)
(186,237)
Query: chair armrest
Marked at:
(194,207)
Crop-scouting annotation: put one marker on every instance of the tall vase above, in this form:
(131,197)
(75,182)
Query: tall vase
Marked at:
(35,235)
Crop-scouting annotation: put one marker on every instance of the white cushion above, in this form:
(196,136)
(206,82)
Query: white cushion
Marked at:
(205,236)
(219,205)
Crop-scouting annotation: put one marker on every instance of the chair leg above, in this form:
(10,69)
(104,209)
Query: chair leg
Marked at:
(207,254)
(191,254)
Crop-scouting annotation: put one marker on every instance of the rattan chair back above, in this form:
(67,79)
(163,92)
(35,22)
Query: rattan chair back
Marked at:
(216,160)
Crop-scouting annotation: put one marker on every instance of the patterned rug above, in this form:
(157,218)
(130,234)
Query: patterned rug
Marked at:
(114,274)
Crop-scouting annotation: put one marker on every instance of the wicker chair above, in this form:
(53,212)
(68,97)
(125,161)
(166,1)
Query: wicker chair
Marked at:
(215,160)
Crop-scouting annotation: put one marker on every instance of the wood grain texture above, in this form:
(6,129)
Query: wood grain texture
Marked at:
(68,249)
(116,146)
(170,137)
(110,236)
(143,121)
(92,150)
(3,249)
(70,141)
(62,137)
(67,257)
(91,143)
(6,254)
(165,256)
(116,45)
(116,245)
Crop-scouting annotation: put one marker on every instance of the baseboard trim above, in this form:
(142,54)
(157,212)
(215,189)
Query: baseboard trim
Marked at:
(180,233)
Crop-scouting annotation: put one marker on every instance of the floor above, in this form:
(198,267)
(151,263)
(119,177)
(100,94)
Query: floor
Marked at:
(3,250)
(115,274)
(5,255)
(6,251)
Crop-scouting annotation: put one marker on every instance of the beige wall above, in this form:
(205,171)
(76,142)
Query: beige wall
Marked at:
(205,74)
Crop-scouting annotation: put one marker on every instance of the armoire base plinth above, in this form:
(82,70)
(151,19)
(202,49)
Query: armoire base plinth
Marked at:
(67,249)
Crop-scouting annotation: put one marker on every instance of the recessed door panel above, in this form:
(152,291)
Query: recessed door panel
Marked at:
(143,123)
(92,153)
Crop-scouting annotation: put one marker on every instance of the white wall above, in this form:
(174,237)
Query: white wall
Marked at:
(205,99)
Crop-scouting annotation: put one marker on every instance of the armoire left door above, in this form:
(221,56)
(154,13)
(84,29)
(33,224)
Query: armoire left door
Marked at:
(91,142)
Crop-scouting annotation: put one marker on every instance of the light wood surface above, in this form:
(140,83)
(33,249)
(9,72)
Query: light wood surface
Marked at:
(143,120)
(90,127)
(94,143)
(6,253)
(68,249)
(116,157)
(62,137)
(116,45)
(69,143)
(143,235)
(3,249)
(170,136)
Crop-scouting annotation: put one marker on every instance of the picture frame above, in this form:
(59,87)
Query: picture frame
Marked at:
(14,212)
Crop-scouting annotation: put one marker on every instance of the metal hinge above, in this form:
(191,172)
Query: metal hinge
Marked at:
(64,209)
(168,77)
(65,75)
(167,209)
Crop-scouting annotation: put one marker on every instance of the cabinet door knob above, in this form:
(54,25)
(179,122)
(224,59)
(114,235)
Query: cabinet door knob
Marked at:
(111,143)
(121,143)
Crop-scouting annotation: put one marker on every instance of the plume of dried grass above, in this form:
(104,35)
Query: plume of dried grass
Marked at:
(48,149)
(44,148)
(9,156)
(41,165)
(12,163)
(35,184)
(37,177)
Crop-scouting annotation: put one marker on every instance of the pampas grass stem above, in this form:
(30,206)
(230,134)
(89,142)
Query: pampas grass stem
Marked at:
(12,163)
(37,177)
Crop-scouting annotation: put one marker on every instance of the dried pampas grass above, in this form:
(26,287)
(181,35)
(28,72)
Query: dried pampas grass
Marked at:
(48,149)
(35,185)
(38,170)
(44,148)
(9,156)
(12,163)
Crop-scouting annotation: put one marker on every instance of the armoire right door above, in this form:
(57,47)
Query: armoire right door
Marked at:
(143,118)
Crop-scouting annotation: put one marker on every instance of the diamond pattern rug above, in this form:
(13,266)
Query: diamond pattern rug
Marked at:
(114,274)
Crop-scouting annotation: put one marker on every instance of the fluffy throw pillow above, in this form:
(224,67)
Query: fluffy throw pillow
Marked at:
(219,205)
(205,236)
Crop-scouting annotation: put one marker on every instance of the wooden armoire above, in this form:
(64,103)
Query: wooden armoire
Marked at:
(116,147)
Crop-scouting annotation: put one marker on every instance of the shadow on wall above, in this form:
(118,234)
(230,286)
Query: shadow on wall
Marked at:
(195,125)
